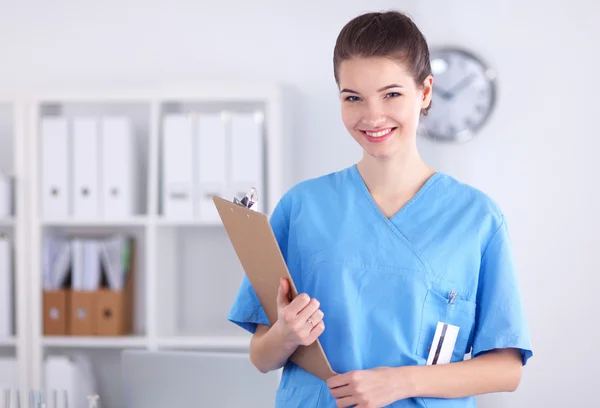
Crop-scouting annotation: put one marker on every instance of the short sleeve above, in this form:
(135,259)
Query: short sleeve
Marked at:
(246,310)
(501,321)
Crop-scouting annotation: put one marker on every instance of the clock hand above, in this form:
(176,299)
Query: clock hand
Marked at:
(442,93)
(461,85)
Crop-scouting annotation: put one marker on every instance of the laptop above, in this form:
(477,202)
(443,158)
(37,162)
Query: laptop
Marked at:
(162,379)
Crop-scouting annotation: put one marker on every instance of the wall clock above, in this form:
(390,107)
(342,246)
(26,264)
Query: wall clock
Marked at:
(464,95)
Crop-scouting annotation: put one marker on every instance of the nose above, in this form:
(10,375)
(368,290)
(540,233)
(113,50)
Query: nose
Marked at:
(373,116)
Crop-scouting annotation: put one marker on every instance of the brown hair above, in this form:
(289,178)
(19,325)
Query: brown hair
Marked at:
(388,34)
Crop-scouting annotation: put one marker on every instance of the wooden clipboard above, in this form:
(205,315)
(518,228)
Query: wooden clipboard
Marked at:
(258,251)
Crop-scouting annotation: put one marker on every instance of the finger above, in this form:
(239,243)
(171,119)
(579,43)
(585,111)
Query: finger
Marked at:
(316,317)
(341,392)
(315,325)
(315,333)
(299,303)
(338,380)
(309,309)
(283,293)
(346,402)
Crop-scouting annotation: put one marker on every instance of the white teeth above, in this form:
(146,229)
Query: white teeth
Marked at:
(379,134)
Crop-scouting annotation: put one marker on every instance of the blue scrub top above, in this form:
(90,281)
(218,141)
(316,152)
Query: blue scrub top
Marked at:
(385,283)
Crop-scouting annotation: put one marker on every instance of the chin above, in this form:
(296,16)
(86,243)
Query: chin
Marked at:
(379,154)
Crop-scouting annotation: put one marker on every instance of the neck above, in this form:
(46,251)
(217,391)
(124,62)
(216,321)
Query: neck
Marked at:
(401,175)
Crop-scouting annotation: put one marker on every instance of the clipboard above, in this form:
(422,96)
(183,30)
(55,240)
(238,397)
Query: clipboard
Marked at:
(258,251)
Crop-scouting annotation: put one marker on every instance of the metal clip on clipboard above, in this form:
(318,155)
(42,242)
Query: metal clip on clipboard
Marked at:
(248,200)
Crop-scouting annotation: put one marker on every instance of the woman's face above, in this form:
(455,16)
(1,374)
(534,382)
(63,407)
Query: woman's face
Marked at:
(381,104)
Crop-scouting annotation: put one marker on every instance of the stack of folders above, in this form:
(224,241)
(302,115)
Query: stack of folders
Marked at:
(6,288)
(88,285)
(209,154)
(89,167)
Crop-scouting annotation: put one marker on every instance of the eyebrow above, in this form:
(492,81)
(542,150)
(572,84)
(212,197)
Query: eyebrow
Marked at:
(379,90)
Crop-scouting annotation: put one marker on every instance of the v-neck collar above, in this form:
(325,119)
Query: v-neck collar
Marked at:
(363,186)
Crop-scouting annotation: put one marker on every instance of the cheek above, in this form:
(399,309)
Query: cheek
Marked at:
(405,112)
(350,117)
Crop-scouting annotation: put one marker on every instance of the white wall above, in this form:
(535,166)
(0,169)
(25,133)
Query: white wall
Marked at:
(537,158)
(534,157)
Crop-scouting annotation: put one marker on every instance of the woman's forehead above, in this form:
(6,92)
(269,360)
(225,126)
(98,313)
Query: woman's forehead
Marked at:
(372,74)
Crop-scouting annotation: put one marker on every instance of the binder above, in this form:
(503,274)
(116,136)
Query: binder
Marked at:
(55,167)
(119,186)
(246,153)
(177,167)
(258,251)
(98,299)
(55,304)
(115,302)
(56,265)
(211,164)
(86,183)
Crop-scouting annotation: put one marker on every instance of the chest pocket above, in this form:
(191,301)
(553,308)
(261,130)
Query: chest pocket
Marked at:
(446,308)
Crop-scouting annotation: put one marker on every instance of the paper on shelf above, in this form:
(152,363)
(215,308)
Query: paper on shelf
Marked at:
(56,260)
(115,254)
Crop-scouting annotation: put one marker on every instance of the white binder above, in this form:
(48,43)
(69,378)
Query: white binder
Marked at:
(246,154)
(86,183)
(211,168)
(177,167)
(55,167)
(6,289)
(119,184)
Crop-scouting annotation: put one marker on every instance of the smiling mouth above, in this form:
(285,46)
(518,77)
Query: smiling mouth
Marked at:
(378,133)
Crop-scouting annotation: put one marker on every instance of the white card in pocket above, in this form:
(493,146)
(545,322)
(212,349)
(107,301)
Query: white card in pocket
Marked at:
(443,344)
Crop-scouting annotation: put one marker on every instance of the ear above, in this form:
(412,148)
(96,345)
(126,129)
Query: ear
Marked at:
(427,92)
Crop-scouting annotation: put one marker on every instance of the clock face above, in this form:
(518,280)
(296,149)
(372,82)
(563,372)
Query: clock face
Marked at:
(464,93)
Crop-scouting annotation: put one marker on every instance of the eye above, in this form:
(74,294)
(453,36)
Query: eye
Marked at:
(392,95)
(352,98)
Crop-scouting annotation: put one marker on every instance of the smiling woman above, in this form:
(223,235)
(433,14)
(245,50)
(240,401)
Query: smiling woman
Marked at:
(411,272)
(385,81)
(381,103)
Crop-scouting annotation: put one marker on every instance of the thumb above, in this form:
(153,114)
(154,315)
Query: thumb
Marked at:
(283,298)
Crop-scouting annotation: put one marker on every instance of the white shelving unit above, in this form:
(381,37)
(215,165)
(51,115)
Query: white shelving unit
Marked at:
(187,272)
(12,161)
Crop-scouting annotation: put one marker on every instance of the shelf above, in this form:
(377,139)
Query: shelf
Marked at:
(8,342)
(136,221)
(95,341)
(205,342)
(166,222)
(187,272)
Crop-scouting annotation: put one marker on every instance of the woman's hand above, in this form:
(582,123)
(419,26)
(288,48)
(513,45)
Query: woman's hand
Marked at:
(300,321)
(377,387)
